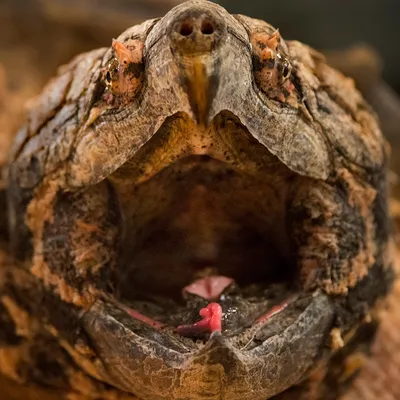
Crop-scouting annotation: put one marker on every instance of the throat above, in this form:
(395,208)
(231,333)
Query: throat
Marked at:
(204,219)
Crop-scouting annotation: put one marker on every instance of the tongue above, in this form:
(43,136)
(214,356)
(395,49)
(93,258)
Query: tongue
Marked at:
(209,288)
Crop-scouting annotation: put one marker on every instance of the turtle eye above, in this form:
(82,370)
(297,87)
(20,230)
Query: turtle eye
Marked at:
(271,68)
(286,69)
(111,73)
(123,75)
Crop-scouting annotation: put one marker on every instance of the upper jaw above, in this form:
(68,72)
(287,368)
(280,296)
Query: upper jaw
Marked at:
(206,50)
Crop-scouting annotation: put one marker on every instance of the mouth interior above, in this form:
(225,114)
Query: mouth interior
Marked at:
(201,232)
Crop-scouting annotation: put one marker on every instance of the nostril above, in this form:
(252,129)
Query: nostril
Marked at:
(196,31)
(185,28)
(207,28)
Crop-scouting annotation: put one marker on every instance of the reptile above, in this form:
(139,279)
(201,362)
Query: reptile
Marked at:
(201,164)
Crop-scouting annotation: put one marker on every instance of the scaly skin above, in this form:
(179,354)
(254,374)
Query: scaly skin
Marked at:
(203,126)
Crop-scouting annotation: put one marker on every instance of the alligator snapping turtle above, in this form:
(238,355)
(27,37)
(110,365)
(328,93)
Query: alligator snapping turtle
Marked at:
(200,165)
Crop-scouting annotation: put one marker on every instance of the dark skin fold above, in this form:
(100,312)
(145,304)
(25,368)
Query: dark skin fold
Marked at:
(199,146)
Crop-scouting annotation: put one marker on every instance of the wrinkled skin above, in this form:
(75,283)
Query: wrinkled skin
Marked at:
(200,144)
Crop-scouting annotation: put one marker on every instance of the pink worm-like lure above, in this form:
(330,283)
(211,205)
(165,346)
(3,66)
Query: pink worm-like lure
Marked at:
(211,322)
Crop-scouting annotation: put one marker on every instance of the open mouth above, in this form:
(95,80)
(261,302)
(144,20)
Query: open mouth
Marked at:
(207,260)
(201,229)
(205,244)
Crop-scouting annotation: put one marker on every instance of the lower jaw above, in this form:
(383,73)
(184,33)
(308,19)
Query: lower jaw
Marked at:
(279,349)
